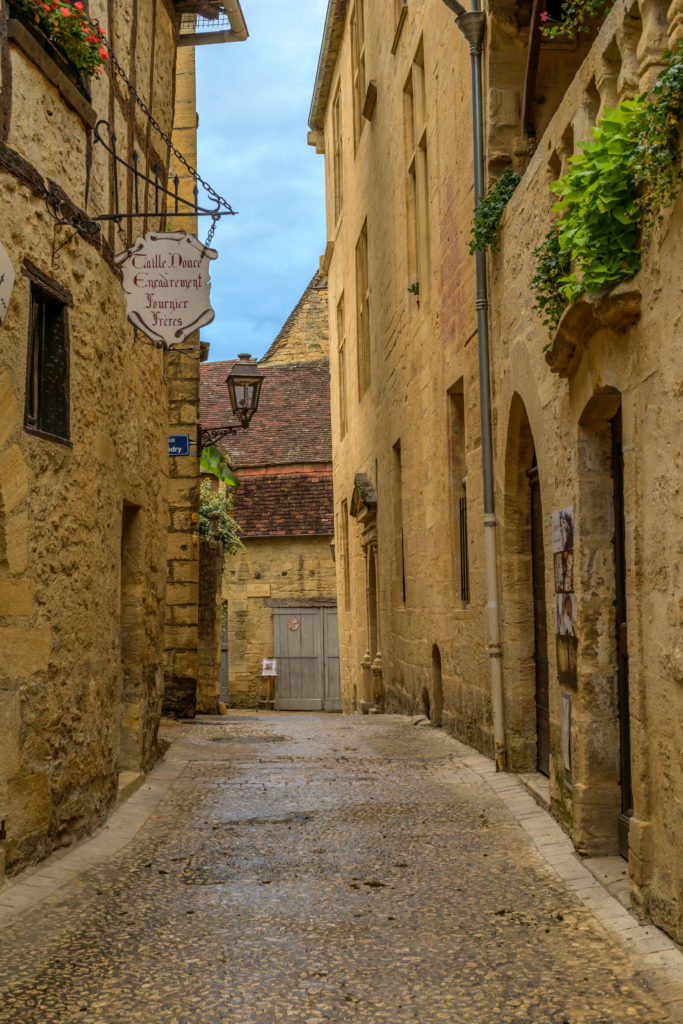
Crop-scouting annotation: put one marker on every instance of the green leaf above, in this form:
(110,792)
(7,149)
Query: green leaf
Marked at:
(212,461)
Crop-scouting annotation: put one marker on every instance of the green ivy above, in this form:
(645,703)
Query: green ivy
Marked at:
(576,16)
(490,210)
(218,503)
(552,266)
(614,192)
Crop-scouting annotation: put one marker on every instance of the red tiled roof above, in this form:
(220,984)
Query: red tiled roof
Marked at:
(292,424)
(289,503)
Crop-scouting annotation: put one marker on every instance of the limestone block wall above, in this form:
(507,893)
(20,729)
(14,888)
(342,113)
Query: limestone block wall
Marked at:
(412,423)
(422,353)
(182,665)
(209,633)
(632,368)
(82,518)
(304,336)
(268,570)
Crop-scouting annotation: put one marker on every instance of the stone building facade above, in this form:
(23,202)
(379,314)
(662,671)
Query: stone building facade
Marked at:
(190,676)
(586,468)
(284,505)
(84,414)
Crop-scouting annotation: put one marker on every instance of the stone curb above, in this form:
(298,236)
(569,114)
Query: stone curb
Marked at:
(654,955)
(34,886)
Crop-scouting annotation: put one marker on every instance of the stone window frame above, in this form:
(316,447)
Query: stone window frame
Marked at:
(357,27)
(417,175)
(341,367)
(337,154)
(400,15)
(346,568)
(363,312)
(60,299)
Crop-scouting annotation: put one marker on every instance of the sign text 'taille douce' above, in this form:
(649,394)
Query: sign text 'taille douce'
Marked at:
(166,279)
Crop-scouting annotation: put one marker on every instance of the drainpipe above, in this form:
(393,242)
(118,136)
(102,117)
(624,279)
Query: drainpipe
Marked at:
(472,24)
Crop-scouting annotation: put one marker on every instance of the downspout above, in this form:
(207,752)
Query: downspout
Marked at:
(472,24)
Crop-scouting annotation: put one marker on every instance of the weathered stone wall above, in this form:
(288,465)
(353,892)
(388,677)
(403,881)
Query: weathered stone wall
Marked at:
(305,335)
(266,571)
(209,649)
(182,599)
(82,522)
(407,636)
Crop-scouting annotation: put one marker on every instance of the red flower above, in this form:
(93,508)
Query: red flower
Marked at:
(545,16)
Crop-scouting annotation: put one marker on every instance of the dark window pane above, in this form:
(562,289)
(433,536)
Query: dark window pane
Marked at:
(47,405)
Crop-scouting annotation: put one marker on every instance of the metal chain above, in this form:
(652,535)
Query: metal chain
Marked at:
(194,173)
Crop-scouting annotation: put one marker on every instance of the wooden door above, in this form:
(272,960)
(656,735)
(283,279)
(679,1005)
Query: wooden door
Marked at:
(331,655)
(306,648)
(621,637)
(540,625)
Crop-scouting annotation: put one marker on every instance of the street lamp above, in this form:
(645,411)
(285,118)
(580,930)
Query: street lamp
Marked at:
(244,389)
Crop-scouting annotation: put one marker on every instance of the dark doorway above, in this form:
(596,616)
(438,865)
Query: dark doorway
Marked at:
(540,624)
(621,638)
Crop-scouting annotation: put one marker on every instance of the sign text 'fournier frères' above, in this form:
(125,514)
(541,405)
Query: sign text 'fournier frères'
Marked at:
(166,278)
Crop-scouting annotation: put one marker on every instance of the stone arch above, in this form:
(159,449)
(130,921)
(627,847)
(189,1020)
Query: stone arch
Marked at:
(437,687)
(518,602)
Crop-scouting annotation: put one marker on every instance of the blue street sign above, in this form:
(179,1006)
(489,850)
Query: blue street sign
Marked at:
(178,444)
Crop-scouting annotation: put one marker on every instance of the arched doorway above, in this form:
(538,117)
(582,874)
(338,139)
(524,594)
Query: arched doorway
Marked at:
(524,605)
(603,653)
(541,667)
(437,686)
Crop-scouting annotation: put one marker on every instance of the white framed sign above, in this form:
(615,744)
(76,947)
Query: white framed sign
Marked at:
(269,667)
(166,279)
(6,281)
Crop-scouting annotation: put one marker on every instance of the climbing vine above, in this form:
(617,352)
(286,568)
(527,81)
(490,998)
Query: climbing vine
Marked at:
(615,191)
(490,211)
(216,507)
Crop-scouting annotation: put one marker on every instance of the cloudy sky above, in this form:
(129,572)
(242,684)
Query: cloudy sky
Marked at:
(253,100)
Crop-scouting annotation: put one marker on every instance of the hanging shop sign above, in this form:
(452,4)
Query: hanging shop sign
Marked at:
(166,278)
(6,281)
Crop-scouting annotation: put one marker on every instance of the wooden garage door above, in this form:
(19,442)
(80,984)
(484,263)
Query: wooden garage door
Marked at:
(306,647)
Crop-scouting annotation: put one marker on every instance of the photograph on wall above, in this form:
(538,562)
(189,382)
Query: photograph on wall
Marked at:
(563,530)
(566,643)
(564,572)
(565,608)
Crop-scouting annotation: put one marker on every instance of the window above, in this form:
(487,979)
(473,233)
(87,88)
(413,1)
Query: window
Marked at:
(458,475)
(417,181)
(338,157)
(344,516)
(358,67)
(47,392)
(400,12)
(399,548)
(341,363)
(363,311)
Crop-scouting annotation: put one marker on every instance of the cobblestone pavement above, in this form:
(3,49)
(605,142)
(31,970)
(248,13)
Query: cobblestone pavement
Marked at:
(311,868)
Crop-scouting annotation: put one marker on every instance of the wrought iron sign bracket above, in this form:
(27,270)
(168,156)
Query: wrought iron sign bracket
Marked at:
(212,435)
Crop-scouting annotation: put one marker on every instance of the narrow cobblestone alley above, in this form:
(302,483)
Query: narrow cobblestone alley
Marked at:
(311,868)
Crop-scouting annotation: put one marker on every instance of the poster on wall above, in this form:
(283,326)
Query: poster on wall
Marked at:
(167,283)
(566,638)
(6,281)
